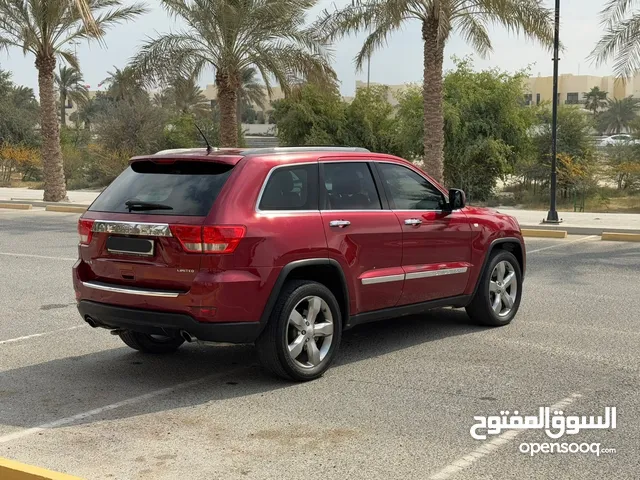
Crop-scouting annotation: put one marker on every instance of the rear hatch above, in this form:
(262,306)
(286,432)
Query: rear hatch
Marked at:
(146,229)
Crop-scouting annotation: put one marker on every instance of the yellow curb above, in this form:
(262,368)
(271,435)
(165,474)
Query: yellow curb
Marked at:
(65,209)
(621,237)
(526,232)
(17,206)
(12,470)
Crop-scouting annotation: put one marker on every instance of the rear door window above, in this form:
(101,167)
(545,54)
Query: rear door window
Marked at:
(350,186)
(179,188)
(291,188)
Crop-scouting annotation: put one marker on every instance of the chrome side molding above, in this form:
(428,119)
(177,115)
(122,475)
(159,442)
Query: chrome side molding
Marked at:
(131,290)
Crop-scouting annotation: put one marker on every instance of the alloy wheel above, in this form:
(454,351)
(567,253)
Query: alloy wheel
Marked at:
(309,332)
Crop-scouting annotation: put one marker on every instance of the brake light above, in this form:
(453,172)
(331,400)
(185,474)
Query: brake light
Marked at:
(209,239)
(85,227)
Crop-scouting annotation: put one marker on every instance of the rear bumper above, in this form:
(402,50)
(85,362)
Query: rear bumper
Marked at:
(154,322)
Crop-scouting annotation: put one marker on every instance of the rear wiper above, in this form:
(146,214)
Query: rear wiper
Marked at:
(139,205)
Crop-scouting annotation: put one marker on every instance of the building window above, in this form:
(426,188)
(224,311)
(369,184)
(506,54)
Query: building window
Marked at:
(528,97)
(558,99)
(572,98)
(537,99)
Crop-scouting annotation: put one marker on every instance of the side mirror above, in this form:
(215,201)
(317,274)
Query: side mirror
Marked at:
(457,199)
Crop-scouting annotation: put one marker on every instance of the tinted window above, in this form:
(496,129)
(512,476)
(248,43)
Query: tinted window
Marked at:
(408,190)
(350,186)
(184,188)
(291,188)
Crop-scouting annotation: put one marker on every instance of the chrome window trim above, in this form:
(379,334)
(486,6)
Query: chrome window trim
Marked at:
(131,290)
(387,278)
(264,186)
(132,228)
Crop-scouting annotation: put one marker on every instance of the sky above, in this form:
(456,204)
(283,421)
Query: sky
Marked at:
(400,62)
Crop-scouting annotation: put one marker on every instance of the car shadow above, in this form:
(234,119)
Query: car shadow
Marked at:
(37,394)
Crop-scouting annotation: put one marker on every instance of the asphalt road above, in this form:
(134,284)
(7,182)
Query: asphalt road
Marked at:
(399,403)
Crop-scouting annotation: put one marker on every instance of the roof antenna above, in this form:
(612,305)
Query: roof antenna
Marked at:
(205,139)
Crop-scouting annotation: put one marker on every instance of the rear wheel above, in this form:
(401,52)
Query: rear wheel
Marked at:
(303,333)
(497,298)
(147,343)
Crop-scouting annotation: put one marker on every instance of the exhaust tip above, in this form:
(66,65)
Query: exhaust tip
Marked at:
(187,336)
(92,323)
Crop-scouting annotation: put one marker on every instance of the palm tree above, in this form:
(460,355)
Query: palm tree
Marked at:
(125,84)
(595,100)
(87,112)
(69,82)
(233,35)
(438,18)
(44,28)
(619,115)
(187,96)
(621,38)
(251,91)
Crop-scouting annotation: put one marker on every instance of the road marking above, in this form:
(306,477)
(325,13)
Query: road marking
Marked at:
(27,255)
(107,408)
(563,244)
(487,447)
(35,335)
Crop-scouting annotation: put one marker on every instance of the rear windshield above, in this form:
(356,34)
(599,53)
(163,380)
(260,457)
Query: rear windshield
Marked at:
(180,188)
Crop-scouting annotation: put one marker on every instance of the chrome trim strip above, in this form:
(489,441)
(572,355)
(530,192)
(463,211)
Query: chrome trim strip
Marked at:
(435,273)
(131,290)
(387,278)
(132,228)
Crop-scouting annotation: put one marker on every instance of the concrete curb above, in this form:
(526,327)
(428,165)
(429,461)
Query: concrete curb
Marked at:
(65,209)
(621,237)
(573,230)
(12,470)
(540,233)
(16,206)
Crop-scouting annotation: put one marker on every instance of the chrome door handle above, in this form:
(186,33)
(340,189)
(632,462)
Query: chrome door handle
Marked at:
(339,223)
(412,221)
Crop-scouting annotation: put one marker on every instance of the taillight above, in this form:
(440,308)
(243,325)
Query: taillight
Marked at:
(209,239)
(84,230)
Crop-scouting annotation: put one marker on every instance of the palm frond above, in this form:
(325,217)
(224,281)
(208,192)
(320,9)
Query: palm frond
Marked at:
(615,11)
(622,42)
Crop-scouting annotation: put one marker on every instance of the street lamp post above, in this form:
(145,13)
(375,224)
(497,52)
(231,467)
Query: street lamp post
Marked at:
(552,215)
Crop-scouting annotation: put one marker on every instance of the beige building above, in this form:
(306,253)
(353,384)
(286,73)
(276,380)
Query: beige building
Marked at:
(572,88)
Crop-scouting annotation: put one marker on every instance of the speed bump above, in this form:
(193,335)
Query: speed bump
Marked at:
(12,470)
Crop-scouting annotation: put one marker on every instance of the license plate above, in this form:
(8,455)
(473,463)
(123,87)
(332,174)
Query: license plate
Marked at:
(130,246)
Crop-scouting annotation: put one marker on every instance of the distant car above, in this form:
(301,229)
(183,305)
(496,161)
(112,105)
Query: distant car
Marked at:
(286,248)
(620,139)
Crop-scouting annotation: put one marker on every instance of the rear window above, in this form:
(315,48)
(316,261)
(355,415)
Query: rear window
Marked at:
(180,188)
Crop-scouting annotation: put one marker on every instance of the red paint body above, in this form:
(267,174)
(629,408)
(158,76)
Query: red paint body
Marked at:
(236,287)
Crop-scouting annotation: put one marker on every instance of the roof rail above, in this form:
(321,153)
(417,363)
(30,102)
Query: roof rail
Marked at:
(265,150)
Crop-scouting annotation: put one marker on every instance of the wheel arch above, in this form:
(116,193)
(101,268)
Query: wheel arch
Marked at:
(322,270)
(509,244)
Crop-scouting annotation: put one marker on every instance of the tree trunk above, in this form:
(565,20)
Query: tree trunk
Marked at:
(433,99)
(227,100)
(63,109)
(54,184)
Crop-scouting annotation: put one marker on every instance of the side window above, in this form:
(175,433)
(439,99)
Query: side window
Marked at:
(291,188)
(350,186)
(408,190)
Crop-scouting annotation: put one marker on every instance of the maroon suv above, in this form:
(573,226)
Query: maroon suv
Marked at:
(286,248)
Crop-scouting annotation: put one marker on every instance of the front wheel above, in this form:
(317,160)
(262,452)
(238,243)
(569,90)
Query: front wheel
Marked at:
(497,298)
(147,343)
(303,332)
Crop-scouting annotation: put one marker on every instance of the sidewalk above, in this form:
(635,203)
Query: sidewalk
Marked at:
(576,223)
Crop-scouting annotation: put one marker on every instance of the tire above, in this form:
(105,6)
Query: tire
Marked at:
(146,343)
(286,328)
(484,308)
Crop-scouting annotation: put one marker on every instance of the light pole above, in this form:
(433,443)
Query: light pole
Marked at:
(552,215)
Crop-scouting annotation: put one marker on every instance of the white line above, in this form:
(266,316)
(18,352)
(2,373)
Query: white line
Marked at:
(27,255)
(488,447)
(563,244)
(97,411)
(35,335)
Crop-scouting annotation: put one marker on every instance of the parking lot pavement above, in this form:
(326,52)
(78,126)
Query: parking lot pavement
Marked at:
(399,403)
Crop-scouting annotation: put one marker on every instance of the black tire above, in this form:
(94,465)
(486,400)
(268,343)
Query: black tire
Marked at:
(480,309)
(146,343)
(272,345)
